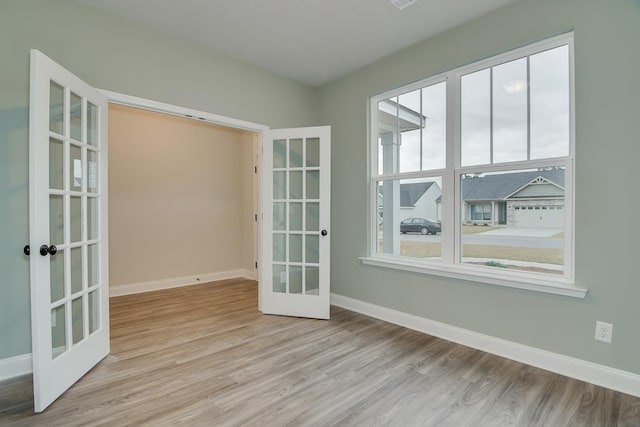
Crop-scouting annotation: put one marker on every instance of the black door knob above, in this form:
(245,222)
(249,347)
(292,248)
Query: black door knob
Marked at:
(27,250)
(48,250)
(323,232)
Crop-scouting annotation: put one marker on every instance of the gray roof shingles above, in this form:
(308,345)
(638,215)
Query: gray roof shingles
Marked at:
(411,193)
(498,187)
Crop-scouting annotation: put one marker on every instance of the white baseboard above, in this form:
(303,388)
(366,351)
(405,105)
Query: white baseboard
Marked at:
(15,366)
(615,379)
(176,282)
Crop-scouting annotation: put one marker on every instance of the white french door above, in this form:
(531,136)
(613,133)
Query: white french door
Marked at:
(296,180)
(68,228)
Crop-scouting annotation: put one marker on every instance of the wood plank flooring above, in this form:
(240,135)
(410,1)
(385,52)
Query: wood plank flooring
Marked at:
(204,355)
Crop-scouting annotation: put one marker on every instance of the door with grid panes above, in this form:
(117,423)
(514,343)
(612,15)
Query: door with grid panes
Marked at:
(68,228)
(294,278)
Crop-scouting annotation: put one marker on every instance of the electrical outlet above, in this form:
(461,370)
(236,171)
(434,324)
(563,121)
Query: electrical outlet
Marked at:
(604,331)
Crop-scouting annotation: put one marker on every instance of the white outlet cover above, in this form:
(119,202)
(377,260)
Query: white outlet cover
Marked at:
(604,331)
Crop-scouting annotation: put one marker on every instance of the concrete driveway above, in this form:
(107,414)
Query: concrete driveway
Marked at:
(522,232)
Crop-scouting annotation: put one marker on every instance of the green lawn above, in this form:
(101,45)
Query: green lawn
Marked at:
(502,254)
(432,249)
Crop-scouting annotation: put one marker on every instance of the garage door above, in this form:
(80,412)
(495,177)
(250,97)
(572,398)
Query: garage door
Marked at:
(538,216)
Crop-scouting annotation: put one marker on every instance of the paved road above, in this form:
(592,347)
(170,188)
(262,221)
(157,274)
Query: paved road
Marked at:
(480,239)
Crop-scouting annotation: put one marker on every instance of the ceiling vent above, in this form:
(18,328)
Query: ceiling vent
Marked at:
(401,4)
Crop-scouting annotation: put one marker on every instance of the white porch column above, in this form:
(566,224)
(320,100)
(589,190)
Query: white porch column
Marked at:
(493,213)
(391,194)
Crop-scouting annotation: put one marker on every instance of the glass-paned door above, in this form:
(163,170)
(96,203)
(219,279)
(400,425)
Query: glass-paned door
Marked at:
(294,276)
(67,208)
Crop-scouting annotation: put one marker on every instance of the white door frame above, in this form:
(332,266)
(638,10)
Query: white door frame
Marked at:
(202,116)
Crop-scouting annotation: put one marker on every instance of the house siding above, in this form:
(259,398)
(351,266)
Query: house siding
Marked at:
(425,207)
(539,190)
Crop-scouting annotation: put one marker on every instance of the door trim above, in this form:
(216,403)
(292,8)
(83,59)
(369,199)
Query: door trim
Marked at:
(175,110)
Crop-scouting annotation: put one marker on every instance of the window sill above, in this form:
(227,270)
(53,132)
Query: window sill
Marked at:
(531,282)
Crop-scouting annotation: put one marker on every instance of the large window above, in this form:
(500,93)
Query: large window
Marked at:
(484,154)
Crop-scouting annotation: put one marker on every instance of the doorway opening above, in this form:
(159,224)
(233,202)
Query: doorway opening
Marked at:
(183,200)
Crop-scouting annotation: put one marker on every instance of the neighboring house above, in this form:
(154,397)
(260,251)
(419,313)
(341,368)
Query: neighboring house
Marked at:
(417,199)
(519,199)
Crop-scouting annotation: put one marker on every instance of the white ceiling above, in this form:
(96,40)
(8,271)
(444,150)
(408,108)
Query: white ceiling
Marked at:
(312,41)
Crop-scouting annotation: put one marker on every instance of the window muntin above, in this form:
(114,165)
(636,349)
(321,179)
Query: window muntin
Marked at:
(500,127)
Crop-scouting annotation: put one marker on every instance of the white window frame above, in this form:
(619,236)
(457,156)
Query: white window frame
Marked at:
(450,264)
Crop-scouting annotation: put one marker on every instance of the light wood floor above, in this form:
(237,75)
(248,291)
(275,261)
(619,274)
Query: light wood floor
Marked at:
(204,355)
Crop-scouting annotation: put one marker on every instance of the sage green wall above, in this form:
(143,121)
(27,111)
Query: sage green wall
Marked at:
(607,62)
(114,54)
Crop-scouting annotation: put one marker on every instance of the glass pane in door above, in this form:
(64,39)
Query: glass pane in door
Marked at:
(94,311)
(312,280)
(92,265)
(56,271)
(76,270)
(92,171)
(75,218)
(279,216)
(313,216)
(313,152)
(75,111)
(56,108)
(92,124)
(56,219)
(92,218)
(313,185)
(58,331)
(75,162)
(295,153)
(279,154)
(295,216)
(295,279)
(312,248)
(56,164)
(295,248)
(279,278)
(295,185)
(77,322)
(279,247)
(279,185)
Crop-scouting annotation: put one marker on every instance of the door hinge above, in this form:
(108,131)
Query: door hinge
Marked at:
(255,169)
(256,217)
(256,264)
